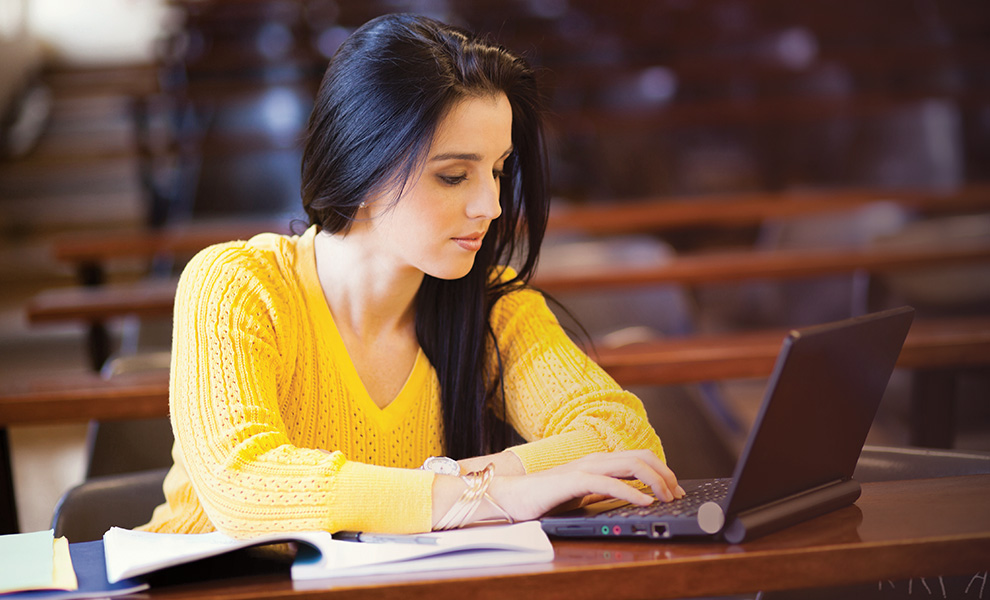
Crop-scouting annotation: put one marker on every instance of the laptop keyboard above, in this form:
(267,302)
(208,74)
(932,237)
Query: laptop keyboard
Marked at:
(709,491)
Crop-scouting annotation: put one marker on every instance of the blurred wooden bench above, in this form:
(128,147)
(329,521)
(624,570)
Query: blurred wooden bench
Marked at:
(156,298)
(89,253)
(935,350)
(727,267)
(931,344)
(94,305)
(657,215)
(81,396)
(934,344)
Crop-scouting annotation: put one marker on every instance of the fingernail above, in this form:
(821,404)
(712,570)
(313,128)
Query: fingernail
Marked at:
(679,492)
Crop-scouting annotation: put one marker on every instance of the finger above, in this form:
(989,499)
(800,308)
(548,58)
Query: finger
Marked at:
(639,464)
(592,498)
(619,467)
(670,479)
(664,472)
(648,468)
(578,502)
(615,488)
(653,477)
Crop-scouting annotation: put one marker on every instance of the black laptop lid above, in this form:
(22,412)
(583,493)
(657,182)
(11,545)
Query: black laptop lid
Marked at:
(826,387)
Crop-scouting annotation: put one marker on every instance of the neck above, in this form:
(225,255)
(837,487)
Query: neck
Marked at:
(366,295)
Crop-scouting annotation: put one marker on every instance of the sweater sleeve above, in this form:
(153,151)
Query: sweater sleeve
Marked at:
(233,351)
(557,398)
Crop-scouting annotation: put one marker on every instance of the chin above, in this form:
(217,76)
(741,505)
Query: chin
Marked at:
(451,271)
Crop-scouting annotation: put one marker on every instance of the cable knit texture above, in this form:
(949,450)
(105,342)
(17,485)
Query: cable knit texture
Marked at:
(275,431)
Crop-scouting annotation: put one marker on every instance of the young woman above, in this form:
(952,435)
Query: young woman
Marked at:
(314,376)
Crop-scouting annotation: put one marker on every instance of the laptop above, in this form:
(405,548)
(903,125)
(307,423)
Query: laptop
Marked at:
(798,461)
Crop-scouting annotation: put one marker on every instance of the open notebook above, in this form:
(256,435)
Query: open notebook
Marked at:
(799,459)
(132,554)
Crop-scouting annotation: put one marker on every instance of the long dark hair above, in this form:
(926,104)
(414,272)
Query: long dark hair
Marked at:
(381,100)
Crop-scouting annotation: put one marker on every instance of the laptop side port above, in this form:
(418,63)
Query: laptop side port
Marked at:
(638,529)
(659,530)
(574,530)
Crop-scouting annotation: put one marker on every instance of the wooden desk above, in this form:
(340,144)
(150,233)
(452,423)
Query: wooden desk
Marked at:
(156,298)
(79,397)
(747,209)
(935,350)
(733,267)
(930,344)
(935,344)
(85,304)
(90,251)
(896,530)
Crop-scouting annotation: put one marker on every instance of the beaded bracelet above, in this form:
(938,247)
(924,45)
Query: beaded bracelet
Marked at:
(461,512)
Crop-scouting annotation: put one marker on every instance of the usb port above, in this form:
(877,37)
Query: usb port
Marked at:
(639,530)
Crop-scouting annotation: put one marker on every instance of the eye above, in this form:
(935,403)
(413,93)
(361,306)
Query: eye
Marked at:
(499,173)
(452,180)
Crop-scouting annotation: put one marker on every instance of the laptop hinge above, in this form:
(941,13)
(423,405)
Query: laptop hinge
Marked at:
(793,509)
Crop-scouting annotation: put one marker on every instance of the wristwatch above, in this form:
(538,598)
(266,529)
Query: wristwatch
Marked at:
(442,465)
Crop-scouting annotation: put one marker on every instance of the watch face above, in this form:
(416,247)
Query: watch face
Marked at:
(442,465)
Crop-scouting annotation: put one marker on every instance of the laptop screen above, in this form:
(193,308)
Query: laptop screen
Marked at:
(825,389)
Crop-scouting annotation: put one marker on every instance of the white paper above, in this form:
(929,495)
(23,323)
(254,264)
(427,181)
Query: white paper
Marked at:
(133,553)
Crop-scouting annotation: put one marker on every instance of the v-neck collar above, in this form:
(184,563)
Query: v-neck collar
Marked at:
(322,317)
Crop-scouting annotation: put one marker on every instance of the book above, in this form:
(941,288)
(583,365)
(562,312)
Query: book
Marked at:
(135,553)
(35,561)
(84,560)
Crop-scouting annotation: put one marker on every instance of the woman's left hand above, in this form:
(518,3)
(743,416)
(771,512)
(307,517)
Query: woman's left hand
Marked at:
(531,496)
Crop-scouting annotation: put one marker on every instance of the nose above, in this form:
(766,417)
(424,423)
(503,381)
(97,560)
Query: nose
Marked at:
(485,204)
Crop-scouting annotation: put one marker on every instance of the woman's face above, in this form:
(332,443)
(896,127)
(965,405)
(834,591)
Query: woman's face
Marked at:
(438,223)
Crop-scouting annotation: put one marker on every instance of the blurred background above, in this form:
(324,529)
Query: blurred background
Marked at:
(125,116)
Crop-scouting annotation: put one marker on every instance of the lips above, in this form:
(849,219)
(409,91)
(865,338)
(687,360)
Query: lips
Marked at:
(471,243)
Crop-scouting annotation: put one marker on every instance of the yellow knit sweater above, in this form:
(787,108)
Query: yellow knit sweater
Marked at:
(275,431)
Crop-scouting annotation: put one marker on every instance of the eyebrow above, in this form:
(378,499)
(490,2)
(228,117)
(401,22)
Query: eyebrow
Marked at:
(470,156)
